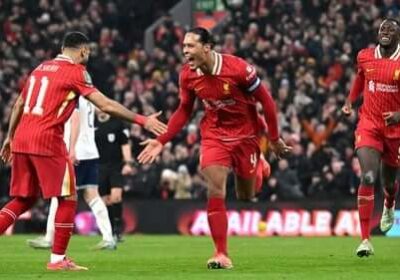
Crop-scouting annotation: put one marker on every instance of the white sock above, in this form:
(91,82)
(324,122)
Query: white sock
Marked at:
(100,212)
(50,220)
(54,258)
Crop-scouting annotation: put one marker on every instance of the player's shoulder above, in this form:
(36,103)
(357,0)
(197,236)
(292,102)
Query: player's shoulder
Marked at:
(233,60)
(186,74)
(236,65)
(366,54)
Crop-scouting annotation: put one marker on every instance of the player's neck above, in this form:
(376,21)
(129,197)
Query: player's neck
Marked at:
(208,65)
(388,51)
(70,55)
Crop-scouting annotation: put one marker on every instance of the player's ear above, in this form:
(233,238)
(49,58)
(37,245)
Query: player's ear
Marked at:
(207,47)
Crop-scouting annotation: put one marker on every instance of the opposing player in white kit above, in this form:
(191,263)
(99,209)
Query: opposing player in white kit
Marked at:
(80,138)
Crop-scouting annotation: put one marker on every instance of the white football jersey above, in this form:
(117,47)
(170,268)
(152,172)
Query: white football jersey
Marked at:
(86,146)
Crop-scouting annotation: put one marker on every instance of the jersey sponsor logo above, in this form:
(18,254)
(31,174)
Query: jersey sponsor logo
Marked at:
(371,86)
(369,70)
(213,104)
(380,87)
(111,137)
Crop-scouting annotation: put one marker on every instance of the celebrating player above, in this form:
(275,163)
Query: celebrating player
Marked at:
(229,89)
(80,137)
(35,140)
(377,137)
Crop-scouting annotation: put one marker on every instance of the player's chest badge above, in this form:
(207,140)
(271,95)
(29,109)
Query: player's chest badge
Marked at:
(226,88)
(396,75)
(111,137)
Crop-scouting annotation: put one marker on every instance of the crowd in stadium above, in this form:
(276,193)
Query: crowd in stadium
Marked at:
(304,50)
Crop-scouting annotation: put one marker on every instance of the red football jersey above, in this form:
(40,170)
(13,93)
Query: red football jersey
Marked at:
(230,109)
(378,79)
(50,94)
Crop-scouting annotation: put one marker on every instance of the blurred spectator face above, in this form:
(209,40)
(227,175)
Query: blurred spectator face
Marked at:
(195,52)
(283,164)
(297,149)
(337,166)
(136,130)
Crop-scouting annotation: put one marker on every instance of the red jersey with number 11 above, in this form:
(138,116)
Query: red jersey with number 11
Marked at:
(50,96)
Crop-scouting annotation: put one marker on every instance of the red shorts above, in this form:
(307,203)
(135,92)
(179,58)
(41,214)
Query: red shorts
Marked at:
(240,155)
(374,138)
(32,174)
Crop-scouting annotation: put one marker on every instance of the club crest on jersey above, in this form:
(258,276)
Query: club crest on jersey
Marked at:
(111,137)
(226,88)
(371,86)
(396,75)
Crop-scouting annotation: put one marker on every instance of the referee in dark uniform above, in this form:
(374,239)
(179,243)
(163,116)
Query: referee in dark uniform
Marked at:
(112,140)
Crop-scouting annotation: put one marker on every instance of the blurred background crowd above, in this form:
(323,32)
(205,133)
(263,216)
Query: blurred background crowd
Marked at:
(304,50)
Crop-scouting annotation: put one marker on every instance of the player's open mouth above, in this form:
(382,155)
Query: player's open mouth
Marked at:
(190,60)
(385,39)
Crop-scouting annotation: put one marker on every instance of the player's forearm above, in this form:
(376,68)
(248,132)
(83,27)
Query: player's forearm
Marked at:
(176,123)
(15,117)
(114,108)
(264,97)
(75,128)
(356,88)
(127,153)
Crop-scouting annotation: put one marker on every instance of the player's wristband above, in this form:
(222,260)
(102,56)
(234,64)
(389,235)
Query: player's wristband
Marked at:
(139,119)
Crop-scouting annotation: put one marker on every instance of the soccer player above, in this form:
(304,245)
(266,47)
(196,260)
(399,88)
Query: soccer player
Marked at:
(377,136)
(229,89)
(40,162)
(84,154)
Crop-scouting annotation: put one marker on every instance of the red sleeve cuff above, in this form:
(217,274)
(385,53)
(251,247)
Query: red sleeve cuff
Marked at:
(139,119)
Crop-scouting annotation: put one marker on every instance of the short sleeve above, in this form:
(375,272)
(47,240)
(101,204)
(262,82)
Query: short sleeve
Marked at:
(82,83)
(123,133)
(248,78)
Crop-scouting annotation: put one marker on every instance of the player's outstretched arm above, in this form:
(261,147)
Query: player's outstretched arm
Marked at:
(278,146)
(178,120)
(115,109)
(15,117)
(356,89)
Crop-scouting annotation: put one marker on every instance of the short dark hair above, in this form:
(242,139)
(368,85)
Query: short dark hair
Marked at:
(393,20)
(75,39)
(204,34)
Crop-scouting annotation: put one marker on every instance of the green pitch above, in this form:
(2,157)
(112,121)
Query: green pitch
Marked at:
(176,257)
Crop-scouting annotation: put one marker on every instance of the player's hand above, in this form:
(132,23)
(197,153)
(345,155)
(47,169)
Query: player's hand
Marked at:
(280,148)
(347,108)
(127,169)
(6,150)
(153,125)
(391,118)
(72,157)
(150,152)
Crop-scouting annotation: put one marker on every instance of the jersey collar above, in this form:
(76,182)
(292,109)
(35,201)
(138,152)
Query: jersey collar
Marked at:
(217,65)
(394,56)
